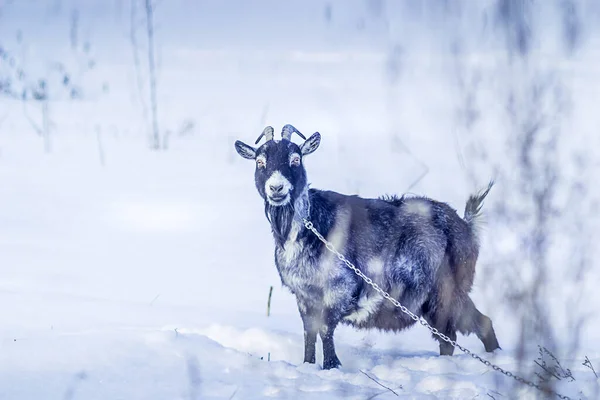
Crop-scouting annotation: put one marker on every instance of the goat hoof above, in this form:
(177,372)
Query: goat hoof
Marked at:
(491,346)
(446,349)
(333,363)
(493,349)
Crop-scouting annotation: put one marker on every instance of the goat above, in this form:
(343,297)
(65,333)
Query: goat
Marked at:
(417,249)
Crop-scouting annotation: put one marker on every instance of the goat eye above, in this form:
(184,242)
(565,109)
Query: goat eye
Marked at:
(295,161)
(260,163)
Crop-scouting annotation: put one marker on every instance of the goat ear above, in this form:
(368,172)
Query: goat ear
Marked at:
(244,150)
(311,144)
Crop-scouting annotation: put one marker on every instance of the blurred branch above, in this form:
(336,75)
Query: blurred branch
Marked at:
(3,117)
(194,378)
(531,207)
(31,121)
(233,394)
(75,382)
(420,177)
(379,383)
(152,74)
(588,363)
(103,158)
(269,301)
(24,83)
(150,109)
(136,60)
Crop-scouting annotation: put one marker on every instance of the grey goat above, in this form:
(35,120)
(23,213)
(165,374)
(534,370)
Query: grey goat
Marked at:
(417,249)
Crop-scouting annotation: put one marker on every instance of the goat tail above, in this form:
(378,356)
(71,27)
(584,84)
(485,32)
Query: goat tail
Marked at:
(473,207)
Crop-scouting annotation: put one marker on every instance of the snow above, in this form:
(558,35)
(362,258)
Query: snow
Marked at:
(132,274)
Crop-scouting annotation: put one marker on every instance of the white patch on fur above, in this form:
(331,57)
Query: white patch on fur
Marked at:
(333,295)
(369,302)
(301,307)
(295,282)
(292,248)
(366,306)
(330,265)
(419,207)
(295,274)
(395,291)
(375,268)
(277,179)
(339,233)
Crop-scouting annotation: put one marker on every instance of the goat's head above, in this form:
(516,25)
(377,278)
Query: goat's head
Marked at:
(280,176)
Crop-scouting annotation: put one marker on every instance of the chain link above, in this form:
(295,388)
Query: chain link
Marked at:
(309,225)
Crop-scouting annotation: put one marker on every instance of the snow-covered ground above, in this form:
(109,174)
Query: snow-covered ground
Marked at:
(127,273)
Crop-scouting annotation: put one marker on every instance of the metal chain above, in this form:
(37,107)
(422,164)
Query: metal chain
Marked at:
(309,225)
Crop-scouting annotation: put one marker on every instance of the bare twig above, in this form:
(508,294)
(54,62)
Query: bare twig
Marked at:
(375,395)
(423,175)
(588,363)
(554,367)
(154,299)
(233,394)
(565,372)
(101,154)
(379,383)
(540,377)
(403,147)
(269,301)
(548,371)
(379,394)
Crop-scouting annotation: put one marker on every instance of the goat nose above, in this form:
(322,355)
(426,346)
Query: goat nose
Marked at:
(276,188)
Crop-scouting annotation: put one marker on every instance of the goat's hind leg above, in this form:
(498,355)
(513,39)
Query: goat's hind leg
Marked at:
(444,326)
(473,321)
(441,321)
(446,349)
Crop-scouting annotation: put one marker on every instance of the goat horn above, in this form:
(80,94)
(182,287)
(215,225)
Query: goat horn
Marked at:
(268,133)
(286,132)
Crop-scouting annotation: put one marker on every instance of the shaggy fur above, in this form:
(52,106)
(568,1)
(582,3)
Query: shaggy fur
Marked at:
(417,249)
(280,218)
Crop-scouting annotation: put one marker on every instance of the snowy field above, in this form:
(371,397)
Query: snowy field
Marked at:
(129,273)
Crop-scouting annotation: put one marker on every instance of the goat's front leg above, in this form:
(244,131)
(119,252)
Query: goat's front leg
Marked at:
(341,293)
(311,316)
(331,318)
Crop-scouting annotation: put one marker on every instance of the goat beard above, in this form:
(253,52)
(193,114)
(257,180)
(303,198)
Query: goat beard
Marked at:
(280,218)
